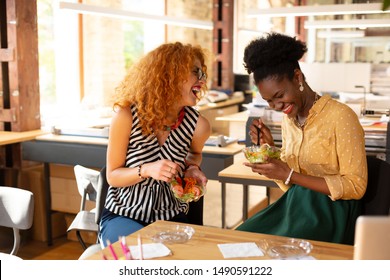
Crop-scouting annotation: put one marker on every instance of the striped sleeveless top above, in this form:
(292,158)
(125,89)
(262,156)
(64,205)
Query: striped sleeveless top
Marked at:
(150,199)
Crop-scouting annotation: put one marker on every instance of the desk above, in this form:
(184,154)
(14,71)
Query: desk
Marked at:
(238,173)
(12,137)
(211,111)
(9,139)
(237,124)
(233,100)
(203,244)
(377,134)
(91,152)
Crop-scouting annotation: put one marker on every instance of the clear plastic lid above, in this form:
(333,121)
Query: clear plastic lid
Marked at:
(286,249)
(176,234)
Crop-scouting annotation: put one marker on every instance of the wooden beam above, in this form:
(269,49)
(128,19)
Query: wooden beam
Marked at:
(223,19)
(7,115)
(7,55)
(23,70)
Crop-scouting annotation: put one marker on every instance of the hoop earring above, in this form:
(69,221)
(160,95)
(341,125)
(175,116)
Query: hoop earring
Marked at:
(301,87)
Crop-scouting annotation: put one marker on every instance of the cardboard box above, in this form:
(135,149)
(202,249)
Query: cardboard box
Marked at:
(31,178)
(65,196)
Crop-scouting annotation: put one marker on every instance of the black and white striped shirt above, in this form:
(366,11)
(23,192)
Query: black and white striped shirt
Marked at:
(151,199)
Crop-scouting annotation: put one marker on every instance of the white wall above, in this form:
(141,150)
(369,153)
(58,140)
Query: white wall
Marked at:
(336,77)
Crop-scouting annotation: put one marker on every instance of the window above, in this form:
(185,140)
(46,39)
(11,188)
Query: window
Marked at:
(83,57)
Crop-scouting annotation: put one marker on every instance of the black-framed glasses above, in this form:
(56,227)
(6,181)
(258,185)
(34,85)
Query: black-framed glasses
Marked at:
(200,74)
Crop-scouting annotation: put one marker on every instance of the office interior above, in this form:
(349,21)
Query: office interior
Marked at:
(62,60)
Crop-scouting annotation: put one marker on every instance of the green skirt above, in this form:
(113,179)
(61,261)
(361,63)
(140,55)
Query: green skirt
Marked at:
(306,214)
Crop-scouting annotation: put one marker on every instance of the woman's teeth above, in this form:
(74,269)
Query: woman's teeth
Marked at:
(288,109)
(195,91)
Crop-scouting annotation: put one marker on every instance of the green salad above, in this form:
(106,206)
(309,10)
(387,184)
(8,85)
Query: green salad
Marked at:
(261,154)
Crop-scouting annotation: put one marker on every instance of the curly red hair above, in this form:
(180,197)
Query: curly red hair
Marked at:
(154,84)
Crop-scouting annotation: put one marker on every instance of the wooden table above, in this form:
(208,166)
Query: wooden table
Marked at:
(233,100)
(11,137)
(238,173)
(10,147)
(237,124)
(203,244)
(91,152)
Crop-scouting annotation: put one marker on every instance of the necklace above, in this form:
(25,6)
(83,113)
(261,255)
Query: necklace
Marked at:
(177,123)
(301,122)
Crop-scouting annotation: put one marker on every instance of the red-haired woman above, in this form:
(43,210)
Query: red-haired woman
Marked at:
(154,135)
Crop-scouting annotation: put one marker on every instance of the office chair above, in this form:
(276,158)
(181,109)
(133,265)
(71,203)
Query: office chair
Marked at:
(372,238)
(16,212)
(102,188)
(87,184)
(376,200)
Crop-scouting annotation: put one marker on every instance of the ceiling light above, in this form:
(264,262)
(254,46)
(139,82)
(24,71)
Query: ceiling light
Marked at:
(356,23)
(128,15)
(320,10)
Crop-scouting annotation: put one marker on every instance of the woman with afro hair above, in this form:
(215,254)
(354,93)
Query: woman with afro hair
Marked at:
(323,167)
(155,134)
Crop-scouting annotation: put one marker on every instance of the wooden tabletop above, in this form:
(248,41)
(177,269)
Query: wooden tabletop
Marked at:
(233,100)
(240,171)
(203,244)
(11,137)
(73,139)
(231,149)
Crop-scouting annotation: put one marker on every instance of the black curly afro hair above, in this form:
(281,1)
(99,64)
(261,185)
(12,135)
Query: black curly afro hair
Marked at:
(274,55)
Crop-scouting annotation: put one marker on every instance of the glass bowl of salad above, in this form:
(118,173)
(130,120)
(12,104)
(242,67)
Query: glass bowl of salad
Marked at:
(191,191)
(261,154)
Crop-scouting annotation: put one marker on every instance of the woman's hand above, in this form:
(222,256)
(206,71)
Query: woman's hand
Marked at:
(265,133)
(164,170)
(194,172)
(275,169)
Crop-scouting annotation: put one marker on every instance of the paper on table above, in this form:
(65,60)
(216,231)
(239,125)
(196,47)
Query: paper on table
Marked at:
(235,250)
(150,251)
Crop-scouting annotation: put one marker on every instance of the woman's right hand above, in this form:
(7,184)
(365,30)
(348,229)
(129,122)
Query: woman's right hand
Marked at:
(265,133)
(164,170)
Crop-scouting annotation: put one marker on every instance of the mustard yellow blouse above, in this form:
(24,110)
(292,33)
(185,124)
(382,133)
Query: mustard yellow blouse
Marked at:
(331,146)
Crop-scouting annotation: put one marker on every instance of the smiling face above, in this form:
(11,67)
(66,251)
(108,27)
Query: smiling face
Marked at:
(191,88)
(283,94)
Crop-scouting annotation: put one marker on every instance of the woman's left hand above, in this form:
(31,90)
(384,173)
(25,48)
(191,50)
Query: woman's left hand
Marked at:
(196,173)
(274,169)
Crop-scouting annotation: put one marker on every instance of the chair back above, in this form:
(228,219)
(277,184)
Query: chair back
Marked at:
(100,201)
(16,211)
(101,194)
(376,200)
(372,238)
(87,183)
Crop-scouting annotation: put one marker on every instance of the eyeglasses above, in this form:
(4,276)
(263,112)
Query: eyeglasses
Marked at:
(200,74)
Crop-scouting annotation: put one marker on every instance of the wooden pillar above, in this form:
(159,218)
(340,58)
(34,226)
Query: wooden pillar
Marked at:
(19,105)
(223,19)
(19,79)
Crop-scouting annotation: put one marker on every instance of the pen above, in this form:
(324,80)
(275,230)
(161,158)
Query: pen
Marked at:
(125,248)
(109,245)
(141,254)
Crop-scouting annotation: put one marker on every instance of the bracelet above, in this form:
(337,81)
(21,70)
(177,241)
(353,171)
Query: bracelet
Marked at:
(192,164)
(289,177)
(139,172)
